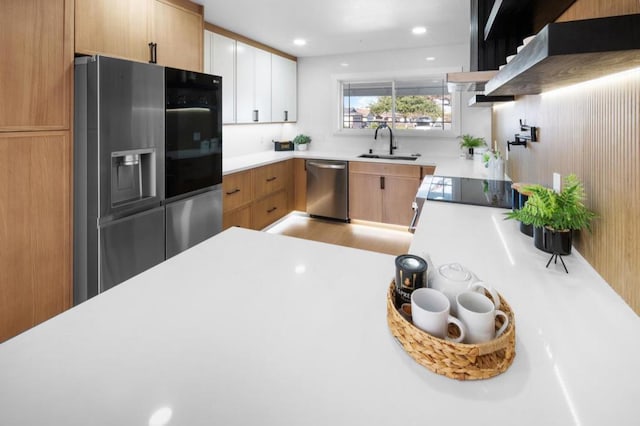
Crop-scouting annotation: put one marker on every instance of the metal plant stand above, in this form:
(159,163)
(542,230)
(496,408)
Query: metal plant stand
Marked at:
(555,257)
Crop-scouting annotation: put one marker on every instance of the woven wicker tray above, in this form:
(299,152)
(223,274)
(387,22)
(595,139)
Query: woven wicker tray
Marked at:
(455,360)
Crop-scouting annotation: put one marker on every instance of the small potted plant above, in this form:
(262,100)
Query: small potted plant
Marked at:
(555,215)
(301,141)
(469,142)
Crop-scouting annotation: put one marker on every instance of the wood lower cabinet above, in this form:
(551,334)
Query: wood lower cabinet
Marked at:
(35,229)
(36,66)
(300,184)
(237,190)
(365,196)
(269,209)
(257,197)
(381,192)
(240,217)
(272,178)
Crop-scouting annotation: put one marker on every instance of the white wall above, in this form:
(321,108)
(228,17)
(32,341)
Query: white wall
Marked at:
(317,98)
(243,139)
(317,109)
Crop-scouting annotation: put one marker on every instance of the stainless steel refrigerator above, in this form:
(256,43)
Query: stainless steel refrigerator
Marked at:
(119,213)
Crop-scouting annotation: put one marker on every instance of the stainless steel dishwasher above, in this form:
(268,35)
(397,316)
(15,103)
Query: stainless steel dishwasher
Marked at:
(328,189)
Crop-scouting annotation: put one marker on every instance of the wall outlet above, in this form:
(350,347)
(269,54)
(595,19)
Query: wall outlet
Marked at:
(557,182)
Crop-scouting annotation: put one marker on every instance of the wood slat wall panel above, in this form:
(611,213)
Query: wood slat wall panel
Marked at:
(592,130)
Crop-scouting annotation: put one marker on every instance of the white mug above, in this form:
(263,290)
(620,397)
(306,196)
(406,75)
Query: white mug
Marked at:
(478,314)
(430,313)
(453,278)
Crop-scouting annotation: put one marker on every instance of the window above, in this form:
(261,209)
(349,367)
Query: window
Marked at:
(418,105)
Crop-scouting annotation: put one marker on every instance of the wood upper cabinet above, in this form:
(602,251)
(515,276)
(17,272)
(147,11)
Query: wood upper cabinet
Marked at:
(36,66)
(124,29)
(177,28)
(382,192)
(113,28)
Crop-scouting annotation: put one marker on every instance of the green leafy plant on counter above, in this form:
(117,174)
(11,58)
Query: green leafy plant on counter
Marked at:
(469,141)
(558,211)
(301,139)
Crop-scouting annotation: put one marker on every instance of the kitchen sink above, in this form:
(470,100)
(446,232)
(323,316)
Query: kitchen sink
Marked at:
(388,157)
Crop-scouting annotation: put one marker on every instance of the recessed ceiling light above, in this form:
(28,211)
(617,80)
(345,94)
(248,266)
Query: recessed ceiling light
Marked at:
(344,64)
(419,30)
(299,42)
(430,58)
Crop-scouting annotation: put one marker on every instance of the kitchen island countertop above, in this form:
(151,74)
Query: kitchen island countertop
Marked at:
(254,328)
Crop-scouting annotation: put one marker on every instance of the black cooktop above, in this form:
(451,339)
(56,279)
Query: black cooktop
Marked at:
(479,192)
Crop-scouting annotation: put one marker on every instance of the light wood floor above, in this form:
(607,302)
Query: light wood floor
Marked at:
(382,239)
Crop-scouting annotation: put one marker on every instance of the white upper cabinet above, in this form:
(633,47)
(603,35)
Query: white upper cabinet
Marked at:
(220,59)
(257,86)
(253,84)
(283,89)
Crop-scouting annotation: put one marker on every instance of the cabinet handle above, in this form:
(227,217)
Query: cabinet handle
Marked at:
(153,53)
(286,116)
(233,192)
(271,179)
(381,182)
(272,209)
(256,115)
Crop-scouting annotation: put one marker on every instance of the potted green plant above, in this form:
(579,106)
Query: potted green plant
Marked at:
(470,142)
(301,141)
(555,215)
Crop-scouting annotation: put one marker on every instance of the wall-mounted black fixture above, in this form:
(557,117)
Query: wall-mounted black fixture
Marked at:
(531,132)
(522,138)
(517,142)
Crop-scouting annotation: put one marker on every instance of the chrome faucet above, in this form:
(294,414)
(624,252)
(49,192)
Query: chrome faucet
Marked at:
(385,126)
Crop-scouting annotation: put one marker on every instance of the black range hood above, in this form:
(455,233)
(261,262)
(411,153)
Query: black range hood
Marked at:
(571,52)
(487,101)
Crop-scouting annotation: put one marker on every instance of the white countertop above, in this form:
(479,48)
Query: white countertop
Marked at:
(445,165)
(253,328)
(578,342)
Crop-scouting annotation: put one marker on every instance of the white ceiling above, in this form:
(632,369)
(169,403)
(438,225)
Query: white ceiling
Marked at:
(342,26)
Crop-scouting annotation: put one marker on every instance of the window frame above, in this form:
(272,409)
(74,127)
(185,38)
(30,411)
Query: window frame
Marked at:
(341,79)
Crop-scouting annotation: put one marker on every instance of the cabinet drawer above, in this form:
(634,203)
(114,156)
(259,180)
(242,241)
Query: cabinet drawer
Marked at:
(269,209)
(385,169)
(236,190)
(272,178)
(240,217)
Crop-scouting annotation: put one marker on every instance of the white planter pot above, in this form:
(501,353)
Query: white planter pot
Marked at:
(302,147)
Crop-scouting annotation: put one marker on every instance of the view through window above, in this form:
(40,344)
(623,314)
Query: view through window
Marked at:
(421,105)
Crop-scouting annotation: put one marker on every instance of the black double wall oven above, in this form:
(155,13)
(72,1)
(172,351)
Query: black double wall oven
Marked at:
(193,158)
